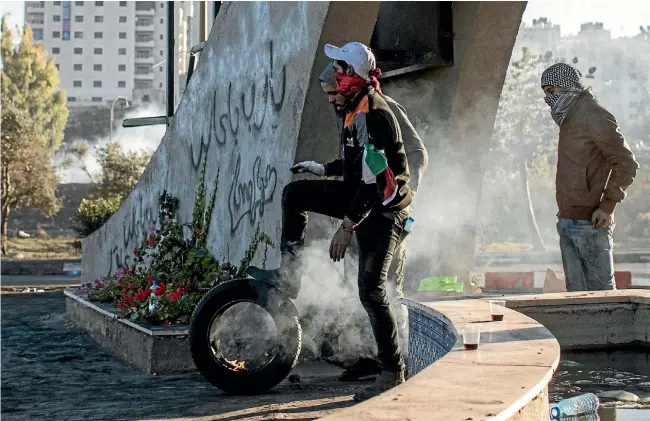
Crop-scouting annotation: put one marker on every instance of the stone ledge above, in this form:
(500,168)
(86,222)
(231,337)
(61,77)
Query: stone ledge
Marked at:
(506,379)
(36,267)
(147,348)
(576,318)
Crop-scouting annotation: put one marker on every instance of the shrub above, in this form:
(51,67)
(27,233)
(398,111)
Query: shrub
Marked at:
(92,214)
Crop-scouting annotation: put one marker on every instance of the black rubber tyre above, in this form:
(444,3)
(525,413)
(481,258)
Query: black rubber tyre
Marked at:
(216,370)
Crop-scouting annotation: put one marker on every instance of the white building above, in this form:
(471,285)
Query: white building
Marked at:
(115,49)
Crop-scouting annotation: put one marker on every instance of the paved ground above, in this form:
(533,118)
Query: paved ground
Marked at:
(51,371)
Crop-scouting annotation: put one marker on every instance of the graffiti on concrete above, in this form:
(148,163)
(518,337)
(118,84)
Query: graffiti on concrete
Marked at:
(136,226)
(246,110)
(249,196)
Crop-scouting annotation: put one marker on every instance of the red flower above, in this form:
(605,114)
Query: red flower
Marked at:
(150,278)
(122,282)
(161,289)
(135,252)
(98,285)
(173,296)
(142,294)
(188,280)
(120,305)
(197,230)
(123,292)
(151,241)
(132,285)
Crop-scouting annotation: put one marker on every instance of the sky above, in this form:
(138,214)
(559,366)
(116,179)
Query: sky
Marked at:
(622,17)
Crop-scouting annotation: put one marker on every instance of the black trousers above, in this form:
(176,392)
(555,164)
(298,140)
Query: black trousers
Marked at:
(378,237)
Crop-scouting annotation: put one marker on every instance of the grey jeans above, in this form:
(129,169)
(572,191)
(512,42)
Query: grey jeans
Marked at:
(586,255)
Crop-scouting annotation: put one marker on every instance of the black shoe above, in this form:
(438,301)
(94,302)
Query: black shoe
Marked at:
(287,284)
(362,367)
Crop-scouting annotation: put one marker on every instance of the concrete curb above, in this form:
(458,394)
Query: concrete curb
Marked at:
(534,280)
(39,267)
(550,257)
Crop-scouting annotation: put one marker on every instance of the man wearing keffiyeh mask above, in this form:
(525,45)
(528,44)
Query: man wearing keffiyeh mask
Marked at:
(595,167)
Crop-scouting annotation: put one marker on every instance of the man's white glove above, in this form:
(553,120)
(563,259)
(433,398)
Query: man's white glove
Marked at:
(309,166)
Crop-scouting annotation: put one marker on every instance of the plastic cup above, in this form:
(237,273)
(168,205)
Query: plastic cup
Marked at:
(471,336)
(496,309)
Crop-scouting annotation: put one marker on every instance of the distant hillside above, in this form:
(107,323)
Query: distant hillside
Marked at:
(28,220)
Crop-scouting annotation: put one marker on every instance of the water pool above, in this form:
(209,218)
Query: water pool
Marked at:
(601,371)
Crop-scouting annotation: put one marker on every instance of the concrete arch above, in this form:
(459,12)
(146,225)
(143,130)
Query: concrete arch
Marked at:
(253,107)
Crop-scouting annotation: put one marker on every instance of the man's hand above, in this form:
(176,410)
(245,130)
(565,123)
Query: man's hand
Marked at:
(602,219)
(309,166)
(339,244)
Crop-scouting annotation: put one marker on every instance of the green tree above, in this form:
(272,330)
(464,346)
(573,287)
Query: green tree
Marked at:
(28,175)
(119,173)
(31,80)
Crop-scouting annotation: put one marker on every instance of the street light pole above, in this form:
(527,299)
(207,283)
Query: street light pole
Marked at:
(110,136)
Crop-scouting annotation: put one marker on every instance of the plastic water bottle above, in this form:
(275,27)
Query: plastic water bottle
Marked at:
(153,304)
(408,224)
(583,404)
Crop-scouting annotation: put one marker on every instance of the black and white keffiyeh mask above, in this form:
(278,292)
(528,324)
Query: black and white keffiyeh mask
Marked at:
(568,78)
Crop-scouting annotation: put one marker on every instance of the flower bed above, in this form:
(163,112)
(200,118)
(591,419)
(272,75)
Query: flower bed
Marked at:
(173,262)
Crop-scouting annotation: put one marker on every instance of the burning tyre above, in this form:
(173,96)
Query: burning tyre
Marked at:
(245,336)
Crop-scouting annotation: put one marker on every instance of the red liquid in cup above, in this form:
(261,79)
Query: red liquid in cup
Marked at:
(497,317)
(471,347)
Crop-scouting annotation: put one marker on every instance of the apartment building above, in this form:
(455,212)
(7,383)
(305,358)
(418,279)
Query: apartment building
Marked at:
(108,50)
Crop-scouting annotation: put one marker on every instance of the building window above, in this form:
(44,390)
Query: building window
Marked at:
(122,51)
(78,34)
(99,3)
(161,69)
(633,89)
(72,99)
(121,84)
(633,76)
(97,84)
(57,66)
(78,3)
(78,50)
(162,5)
(97,67)
(79,18)
(56,50)
(160,85)
(97,99)
(38,34)
(99,19)
(122,35)
(161,53)
(57,3)
(122,19)
(145,98)
(56,34)
(99,35)
(98,51)
(76,84)
(161,36)
(78,67)
(121,68)
(122,4)
(161,20)
(56,18)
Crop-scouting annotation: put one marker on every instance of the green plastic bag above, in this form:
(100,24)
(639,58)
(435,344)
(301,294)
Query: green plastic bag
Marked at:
(440,283)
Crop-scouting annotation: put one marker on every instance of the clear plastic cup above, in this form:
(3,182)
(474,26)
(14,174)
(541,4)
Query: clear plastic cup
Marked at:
(497,308)
(471,336)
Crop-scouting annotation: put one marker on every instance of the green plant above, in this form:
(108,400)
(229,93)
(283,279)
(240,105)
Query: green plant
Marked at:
(175,255)
(92,214)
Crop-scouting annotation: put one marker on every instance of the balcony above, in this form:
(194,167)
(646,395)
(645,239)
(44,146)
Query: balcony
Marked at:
(35,5)
(144,60)
(148,43)
(144,26)
(144,76)
(145,12)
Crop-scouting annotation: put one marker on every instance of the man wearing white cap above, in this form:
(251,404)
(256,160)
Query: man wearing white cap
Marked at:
(372,199)
(417,156)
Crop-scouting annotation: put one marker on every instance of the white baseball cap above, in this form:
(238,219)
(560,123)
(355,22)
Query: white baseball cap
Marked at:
(356,55)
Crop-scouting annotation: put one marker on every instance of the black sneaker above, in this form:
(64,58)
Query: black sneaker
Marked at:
(288,284)
(362,367)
